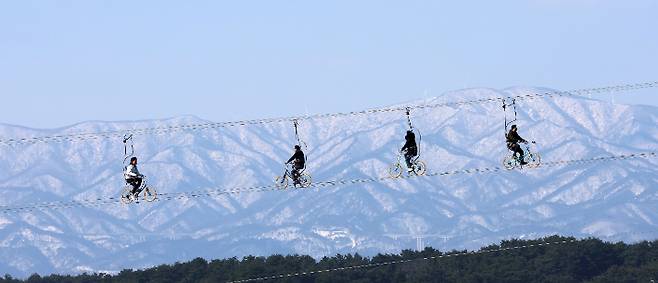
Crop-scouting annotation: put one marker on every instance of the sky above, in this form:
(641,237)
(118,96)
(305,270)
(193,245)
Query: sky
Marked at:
(63,62)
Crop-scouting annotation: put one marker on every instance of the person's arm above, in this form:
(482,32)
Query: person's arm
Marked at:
(299,156)
(129,171)
(514,137)
(522,140)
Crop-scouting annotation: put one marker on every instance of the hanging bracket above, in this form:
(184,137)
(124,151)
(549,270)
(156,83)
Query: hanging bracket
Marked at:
(295,124)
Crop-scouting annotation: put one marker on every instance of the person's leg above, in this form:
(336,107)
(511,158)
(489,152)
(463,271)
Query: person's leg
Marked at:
(514,148)
(294,174)
(133,183)
(519,150)
(138,184)
(407,159)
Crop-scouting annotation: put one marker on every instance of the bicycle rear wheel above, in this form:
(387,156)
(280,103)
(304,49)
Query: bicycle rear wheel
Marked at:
(281,182)
(126,194)
(395,171)
(509,162)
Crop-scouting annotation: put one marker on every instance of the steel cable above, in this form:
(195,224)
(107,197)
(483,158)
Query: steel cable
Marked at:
(318,185)
(205,126)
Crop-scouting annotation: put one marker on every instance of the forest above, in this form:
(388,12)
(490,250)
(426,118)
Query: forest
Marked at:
(550,259)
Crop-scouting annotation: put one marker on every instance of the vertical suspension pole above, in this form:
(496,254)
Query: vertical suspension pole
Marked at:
(296,125)
(505,114)
(514,105)
(411,127)
(126,138)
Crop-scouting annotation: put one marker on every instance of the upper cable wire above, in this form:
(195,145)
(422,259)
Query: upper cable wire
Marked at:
(206,126)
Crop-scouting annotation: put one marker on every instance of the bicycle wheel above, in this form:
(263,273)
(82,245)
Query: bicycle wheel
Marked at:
(126,194)
(420,168)
(509,162)
(305,180)
(150,194)
(395,171)
(281,182)
(534,160)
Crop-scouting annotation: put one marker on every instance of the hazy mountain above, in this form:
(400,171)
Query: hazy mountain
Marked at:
(612,200)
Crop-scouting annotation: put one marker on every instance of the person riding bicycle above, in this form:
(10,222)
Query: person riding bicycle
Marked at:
(298,162)
(132,175)
(410,149)
(513,140)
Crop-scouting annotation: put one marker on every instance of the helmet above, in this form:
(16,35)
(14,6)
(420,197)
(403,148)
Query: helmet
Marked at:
(133,159)
(513,126)
(297,147)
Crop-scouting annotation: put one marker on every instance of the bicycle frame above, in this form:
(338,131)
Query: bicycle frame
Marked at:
(527,148)
(142,186)
(150,193)
(286,173)
(531,157)
(401,157)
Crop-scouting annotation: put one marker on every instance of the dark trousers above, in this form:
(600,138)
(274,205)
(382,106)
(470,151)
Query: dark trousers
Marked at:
(135,182)
(516,148)
(408,158)
(296,167)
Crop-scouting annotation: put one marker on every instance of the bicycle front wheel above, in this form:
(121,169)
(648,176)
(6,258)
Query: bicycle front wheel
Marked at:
(150,194)
(534,160)
(420,168)
(305,180)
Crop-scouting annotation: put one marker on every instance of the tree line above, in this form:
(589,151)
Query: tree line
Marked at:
(586,260)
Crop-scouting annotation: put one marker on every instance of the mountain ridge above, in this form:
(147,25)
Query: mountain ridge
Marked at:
(604,199)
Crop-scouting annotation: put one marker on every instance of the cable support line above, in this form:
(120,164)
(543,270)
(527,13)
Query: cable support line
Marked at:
(318,185)
(207,126)
(403,261)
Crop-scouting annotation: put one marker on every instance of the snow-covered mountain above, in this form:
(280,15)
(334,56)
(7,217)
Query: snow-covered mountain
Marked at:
(613,200)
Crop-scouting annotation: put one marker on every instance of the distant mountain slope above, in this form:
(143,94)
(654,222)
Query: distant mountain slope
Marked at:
(613,200)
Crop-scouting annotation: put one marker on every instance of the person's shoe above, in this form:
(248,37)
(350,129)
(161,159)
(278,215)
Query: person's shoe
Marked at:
(523,162)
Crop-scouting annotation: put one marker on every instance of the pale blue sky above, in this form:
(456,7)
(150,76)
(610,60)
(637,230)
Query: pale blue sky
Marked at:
(63,62)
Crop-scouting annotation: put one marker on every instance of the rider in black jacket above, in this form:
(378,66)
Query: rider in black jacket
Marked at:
(513,140)
(410,149)
(298,162)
